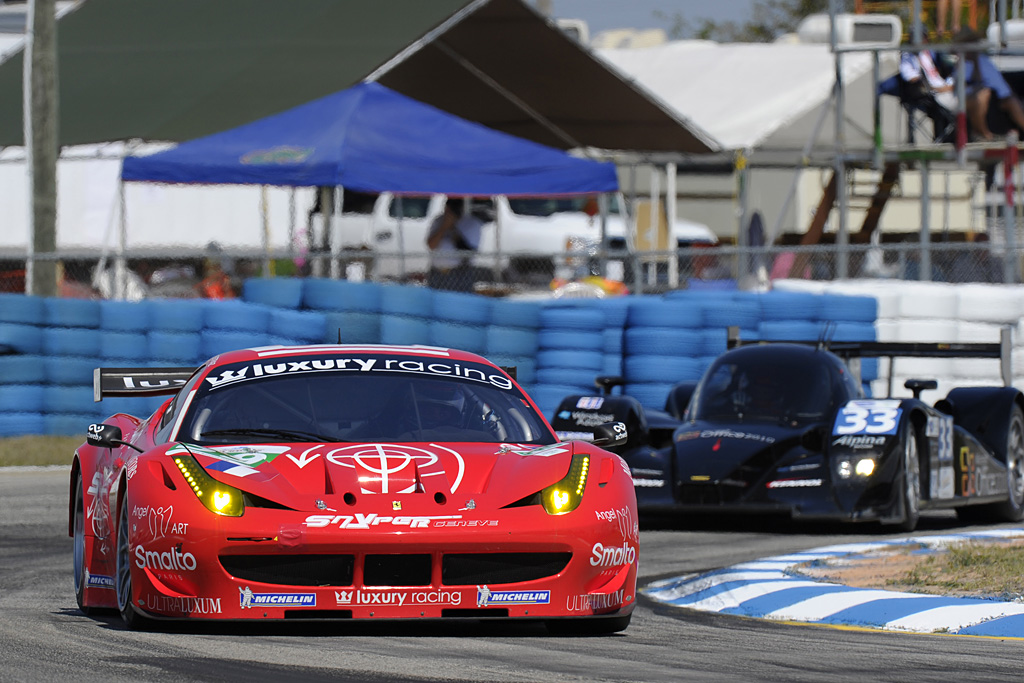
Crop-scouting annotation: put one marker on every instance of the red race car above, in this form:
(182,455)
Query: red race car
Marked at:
(363,482)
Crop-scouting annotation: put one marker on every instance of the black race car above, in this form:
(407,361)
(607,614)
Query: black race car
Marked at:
(785,427)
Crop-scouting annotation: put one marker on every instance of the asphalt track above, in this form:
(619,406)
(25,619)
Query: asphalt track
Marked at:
(43,636)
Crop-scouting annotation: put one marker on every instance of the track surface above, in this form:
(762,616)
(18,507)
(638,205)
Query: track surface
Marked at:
(43,637)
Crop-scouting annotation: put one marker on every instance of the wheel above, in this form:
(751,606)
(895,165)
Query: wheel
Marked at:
(123,581)
(1011,509)
(911,493)
(79,548)
(591,626)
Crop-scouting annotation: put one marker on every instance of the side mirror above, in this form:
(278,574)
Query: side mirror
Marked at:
(107,436)
(610,434)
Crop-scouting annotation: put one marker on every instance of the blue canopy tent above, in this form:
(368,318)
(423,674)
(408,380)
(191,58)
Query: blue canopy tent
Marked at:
(373,139)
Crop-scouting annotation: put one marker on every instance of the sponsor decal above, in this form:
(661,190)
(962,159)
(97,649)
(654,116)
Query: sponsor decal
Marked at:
(382,460)
(165,603)
(431,368)
(612,556)
(629,527)
(247,599)
(132,467)
(590,402)
(305,458)
(170,560)
(243,457)
(800,467)
(485,597)
(726,434)
(413,598)
(99,581)
(158,520)
(649,483)
(868,416)
(591,419)
(468,523)
(543,451)
(361,521)
(859,442)
(592,602)
(794,483)
(575,436)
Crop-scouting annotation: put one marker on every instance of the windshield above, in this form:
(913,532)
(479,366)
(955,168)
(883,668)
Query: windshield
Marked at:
(747,389)
(547,206)
(412,207)
(328,399)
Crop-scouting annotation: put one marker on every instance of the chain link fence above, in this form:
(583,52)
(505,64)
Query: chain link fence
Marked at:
(181,273)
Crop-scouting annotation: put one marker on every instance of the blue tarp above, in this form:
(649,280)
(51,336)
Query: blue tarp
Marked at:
(371,138)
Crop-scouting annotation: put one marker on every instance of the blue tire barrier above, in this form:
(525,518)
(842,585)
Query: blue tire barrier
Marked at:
(694,284)
(472,338)
(22,338)
(656,369)
(581,318)
(560,358)
(663,341)
(511,341)
(869,369)
(72,312)
(341,295)
(70,399)
(180,347)
(780,305)
(125,316)
(277,340)
(71,341)
(310,326)
(235,315)
(789,330)
(403,330)
(22,398)
(740,309)
(352,327)
(22,369)
(514,313)
(714,341)
(176,315)
(854,331)
(21,308)
(657,312)
(652,396)
(132,345)
(613,339)
(612,365)
(69,371)
(139,406)
(67,424)
(584,379)
(21,423)
(214,342)
(471,309)
(407,300)
(570,339)
(857,309)
(616,310)
(280,292)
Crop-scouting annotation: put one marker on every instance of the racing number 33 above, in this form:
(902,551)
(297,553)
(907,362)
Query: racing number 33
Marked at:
(868,417)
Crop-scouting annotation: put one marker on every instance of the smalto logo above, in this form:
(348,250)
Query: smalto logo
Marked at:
(612,556)
(170,560)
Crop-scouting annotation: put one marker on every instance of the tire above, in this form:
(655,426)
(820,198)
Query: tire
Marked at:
(1012,509)
(911,491)
(123,576)
(591,626)
(78,556)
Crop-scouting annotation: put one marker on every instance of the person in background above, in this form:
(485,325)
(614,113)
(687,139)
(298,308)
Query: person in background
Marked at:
(942,14)
(985,83)
(216,282)
(453,238)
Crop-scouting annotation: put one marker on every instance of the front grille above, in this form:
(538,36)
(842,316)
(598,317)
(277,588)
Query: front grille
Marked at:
(468,569)
(291,570)
(396,570)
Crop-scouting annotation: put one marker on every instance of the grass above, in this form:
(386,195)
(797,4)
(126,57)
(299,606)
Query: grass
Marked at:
(38,450)
(978,569)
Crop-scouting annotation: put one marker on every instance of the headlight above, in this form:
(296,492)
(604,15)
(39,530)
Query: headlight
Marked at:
(862,467)
(218,498)
(566,494)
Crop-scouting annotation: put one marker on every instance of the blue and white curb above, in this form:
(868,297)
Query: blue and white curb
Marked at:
(773,588)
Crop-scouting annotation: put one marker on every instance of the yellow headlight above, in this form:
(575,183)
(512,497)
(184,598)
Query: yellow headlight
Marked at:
(567,494)
(217,497)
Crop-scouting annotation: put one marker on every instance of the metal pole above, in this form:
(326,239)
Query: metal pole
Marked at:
(1009,214)
(120,288)
(653,223)
(335,239)
(265,233)
(742,236)
(842,236)
(925,273)
(670,218)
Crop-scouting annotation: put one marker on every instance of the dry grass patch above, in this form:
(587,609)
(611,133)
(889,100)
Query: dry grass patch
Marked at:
(990,569)
(38,450)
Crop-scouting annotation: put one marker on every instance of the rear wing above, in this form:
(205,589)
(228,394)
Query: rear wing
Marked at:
(138,381)
(852,352)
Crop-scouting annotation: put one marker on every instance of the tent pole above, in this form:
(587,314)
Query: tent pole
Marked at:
(401,238)
(264,220)
(654,224)
(670,219)
(120,268)
(335,238)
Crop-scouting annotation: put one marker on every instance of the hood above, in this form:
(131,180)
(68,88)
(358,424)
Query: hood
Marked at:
(713,452)
(299,475)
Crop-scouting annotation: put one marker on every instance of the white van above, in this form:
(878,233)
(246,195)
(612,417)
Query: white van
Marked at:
(528,239)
